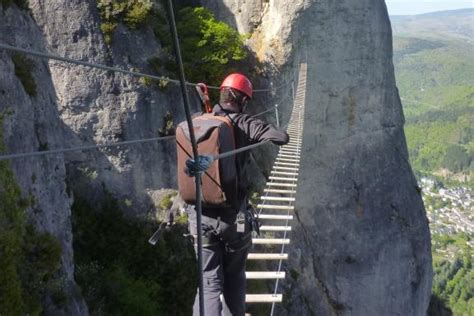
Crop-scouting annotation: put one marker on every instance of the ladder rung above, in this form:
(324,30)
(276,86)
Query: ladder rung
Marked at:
(278,198)
(267,256)
(282,178)
(264,275)
(270,241)
(283,173)
(289,152)
(293,154)
(288,156)
(285,168)
(279,191)
(278,184)
(287,160)
(279,217)
(277,163)
(263,298)
(273,228)
(275,207)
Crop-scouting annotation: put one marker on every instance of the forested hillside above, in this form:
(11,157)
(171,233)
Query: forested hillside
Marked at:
(434,63)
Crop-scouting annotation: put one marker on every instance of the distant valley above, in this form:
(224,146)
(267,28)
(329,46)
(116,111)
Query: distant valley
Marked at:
(434,66)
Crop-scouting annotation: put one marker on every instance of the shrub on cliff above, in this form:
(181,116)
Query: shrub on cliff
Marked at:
(133,13)
(28,260)
(210,48)
(120,273)
(209,45)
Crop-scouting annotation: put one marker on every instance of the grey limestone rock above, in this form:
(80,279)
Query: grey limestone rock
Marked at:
(31,123)
(99,107)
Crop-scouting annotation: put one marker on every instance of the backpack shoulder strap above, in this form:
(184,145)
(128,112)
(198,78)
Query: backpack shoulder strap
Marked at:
(224,119)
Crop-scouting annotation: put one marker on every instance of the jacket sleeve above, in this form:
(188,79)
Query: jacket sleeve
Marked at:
(259,131)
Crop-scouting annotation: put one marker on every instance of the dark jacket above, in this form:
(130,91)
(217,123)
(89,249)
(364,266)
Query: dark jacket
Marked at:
(249,130)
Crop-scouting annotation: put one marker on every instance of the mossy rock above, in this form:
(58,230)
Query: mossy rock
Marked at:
(167,201)
(133,13)
(24,71)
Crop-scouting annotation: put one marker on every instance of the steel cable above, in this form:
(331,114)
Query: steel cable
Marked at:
(93,147)
(109,68)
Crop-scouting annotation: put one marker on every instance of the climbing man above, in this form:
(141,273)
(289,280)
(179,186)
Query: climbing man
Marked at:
(226,231)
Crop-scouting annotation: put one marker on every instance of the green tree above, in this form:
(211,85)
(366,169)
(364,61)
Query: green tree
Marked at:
(456,158)
(28,260)
(210,48)
(453,279)
(120,273)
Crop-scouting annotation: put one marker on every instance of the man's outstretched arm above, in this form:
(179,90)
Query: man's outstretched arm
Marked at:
(260,131)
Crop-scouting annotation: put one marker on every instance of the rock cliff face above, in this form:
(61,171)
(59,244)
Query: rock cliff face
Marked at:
(31,123)
(361,244)
(99,107)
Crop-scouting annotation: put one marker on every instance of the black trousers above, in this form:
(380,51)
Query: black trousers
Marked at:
(224,255)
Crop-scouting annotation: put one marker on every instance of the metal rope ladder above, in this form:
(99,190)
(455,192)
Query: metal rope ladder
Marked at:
(279,198)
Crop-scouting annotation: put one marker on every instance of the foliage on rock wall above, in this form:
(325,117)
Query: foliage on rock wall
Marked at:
(453,280)
(120,273)
(22,4)
(23,70)
(134,13)
(210,49)
(167,128)
(167,201)
(28,259)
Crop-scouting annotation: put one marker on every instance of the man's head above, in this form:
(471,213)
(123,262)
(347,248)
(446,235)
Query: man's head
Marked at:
(236,92)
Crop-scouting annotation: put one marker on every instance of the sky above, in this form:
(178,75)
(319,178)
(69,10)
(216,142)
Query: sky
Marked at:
(409,7)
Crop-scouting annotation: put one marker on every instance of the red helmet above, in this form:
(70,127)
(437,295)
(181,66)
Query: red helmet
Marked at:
(238,82)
